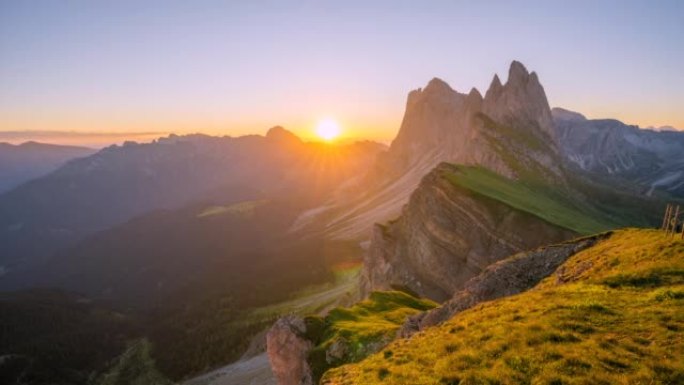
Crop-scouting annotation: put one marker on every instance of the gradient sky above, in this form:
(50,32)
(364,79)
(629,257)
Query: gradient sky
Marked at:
(228,67)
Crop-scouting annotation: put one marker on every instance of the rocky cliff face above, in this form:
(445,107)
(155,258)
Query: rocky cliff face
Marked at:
(447,235)
(508,131)
(610,148)
(508,277)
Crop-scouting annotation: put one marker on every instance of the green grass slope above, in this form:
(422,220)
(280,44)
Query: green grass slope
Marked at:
(361,329)
(541,201)
(612,314)
(134,367)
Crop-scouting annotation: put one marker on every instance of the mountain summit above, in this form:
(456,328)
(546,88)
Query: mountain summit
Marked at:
(521,100)
(443,122)
(509,131)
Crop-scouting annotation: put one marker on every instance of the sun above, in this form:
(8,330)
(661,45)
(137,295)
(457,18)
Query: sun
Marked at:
(328,129)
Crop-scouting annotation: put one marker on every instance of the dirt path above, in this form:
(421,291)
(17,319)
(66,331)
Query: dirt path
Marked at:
(252,371)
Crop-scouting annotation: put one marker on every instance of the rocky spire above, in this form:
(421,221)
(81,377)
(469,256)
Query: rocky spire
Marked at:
(440,122)
(522,99)
(517,73)
(494,89)
(474,95)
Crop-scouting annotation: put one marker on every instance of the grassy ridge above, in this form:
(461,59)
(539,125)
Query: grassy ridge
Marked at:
(612,314)
(538,201)
(361,329)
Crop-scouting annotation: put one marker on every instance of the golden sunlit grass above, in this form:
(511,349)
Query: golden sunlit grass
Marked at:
(362,328)
(614,314)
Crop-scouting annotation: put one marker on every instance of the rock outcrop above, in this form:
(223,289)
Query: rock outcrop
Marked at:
(288,349)
(301,350)
(447,235)
(508,277)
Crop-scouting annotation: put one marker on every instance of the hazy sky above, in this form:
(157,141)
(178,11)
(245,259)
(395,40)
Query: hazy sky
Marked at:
(236,67)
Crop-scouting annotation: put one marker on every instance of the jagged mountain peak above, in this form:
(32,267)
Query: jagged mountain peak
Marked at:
(519,81)
(517,72)
(521,101)
(437,85)
(519,75)
(494,87)
(440,119)
(474,95)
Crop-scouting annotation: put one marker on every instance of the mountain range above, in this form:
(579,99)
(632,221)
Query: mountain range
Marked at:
(469,185)
(30,160)
(609,148)
(200,243)
(118,183)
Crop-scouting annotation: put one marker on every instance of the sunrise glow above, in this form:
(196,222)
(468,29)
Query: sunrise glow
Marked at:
(328,129)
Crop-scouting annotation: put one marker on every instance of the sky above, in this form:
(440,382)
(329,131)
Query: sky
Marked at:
(235,68)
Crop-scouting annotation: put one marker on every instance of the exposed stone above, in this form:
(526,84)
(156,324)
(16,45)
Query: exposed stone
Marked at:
(337,351)
(521,102)
(288,350)
(510,276)
(447,235)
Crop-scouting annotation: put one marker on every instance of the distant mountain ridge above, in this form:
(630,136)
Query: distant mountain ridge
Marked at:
(121,182)
(20,163)
(651,159)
